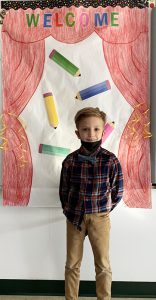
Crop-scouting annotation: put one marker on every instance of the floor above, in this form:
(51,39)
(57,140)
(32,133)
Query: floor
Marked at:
(60,298)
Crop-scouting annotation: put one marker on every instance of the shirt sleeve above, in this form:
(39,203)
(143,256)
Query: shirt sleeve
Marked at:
(116,183)
(64,184)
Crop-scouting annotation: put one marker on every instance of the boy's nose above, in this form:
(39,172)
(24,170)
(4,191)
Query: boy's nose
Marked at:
(91,133)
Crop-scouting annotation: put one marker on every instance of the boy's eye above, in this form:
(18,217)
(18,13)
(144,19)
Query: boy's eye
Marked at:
(97,129)
(84,129)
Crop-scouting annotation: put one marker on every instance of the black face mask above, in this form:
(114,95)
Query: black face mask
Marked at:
(91,146)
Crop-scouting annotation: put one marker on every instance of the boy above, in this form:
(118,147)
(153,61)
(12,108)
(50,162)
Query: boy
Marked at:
(91,185)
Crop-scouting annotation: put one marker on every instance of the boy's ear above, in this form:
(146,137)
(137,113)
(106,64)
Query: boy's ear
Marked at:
(103,133)
(77,133)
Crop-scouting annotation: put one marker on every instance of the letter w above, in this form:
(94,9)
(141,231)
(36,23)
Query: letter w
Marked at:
(32,19)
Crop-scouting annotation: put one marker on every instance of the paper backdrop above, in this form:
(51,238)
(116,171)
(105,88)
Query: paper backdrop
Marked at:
(110,47)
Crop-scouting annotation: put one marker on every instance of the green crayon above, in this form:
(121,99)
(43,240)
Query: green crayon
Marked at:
(53,150)
(64,63)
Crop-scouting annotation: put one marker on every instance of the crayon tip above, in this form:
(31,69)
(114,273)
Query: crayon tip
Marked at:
(78,73)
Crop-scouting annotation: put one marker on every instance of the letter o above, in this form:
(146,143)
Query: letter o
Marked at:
(86,19)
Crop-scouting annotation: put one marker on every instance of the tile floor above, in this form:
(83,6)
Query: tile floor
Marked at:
(60,298)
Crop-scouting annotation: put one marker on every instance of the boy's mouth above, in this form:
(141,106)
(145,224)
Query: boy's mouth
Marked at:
(91,141)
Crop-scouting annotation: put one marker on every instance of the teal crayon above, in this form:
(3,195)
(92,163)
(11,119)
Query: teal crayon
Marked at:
(93,90)
(53,150)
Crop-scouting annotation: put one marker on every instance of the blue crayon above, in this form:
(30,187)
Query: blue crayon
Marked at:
(94,90)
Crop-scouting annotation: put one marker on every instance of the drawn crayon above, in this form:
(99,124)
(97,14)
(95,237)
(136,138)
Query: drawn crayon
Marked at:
(51,109)
(53,150)
(93,90)
(108,128)
(64,63)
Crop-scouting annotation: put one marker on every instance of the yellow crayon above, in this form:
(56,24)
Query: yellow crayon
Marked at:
(51,109)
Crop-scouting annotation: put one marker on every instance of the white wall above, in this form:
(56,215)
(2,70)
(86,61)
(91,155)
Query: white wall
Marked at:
(32,244)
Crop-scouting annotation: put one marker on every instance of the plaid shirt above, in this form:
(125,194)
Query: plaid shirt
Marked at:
(89,183)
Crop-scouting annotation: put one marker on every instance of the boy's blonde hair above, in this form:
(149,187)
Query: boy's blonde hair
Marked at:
(89,112)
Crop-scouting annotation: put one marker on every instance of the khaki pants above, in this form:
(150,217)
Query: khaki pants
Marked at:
(97,227)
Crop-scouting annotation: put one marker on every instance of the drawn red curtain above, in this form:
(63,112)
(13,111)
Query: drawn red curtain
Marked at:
(126,53)
(22,70)
(127,58)
(128,65)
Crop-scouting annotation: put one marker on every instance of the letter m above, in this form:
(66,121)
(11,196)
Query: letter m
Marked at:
(100,21)
(32,19)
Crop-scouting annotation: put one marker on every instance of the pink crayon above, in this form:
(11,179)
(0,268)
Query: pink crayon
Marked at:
(109,127)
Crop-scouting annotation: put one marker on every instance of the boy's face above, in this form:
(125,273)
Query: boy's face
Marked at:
(90,129)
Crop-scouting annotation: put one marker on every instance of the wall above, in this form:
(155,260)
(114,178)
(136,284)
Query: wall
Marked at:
(33,244)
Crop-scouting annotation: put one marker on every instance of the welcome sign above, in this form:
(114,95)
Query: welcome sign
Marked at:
(56,61)
(50,20)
